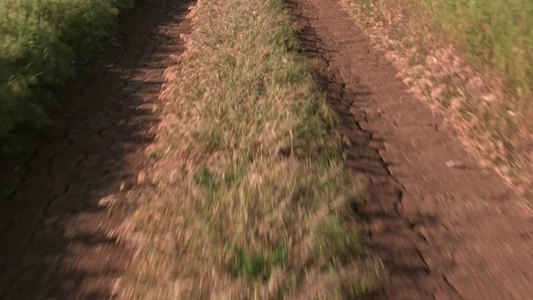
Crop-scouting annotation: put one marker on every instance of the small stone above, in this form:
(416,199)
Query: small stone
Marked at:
(455,164)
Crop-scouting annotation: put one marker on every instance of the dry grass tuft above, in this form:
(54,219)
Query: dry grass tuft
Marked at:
(252,198)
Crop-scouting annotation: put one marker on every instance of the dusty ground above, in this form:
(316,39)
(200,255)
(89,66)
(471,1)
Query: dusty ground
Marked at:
(72,190)
(445,227)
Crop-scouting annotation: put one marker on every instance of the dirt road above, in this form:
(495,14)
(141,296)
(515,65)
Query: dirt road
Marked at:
(72,190)
(445,227)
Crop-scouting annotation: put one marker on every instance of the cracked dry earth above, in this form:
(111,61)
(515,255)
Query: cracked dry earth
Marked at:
(443,232)
(72,190)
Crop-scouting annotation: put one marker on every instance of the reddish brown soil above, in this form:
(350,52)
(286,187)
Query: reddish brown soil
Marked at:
(444,230)
(55,240)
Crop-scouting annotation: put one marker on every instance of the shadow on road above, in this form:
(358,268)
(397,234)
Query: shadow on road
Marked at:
(70,189)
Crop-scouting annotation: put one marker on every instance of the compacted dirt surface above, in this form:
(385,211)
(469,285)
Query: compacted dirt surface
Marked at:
(71,191)
(444,227)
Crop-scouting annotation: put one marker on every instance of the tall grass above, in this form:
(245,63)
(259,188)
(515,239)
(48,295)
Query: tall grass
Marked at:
(39,42)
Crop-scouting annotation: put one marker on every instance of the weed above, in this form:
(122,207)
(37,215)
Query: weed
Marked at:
(335,243)
(206,179)
(249,264)
(156,155)
(447,98)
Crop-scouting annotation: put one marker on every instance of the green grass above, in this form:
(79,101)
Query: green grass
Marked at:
(39,42)
(252,198)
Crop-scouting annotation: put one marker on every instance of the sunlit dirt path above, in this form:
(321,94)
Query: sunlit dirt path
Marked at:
(444,227)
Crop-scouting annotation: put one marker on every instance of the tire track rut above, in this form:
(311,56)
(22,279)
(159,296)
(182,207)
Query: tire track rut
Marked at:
(442,232)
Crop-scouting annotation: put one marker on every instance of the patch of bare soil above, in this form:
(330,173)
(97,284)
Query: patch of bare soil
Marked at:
(445,227)
(72,191)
